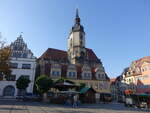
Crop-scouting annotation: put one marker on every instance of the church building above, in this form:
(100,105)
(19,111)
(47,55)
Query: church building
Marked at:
(78,63)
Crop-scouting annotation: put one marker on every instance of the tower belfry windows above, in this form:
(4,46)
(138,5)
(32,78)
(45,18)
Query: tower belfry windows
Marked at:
(76,41)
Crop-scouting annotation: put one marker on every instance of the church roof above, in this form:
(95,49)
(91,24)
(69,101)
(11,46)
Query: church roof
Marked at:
(91,55)
(56,54)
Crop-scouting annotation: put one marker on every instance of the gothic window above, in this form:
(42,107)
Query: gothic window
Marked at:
(81,42)
(81,37)
(82,54)
(71,43)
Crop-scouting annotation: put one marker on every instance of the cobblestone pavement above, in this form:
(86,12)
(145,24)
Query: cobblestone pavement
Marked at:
(12,106)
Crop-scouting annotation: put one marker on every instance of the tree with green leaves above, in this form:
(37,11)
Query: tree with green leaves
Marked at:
(5,53)
(22,83)
(61,80)
(82,85)
(43,84)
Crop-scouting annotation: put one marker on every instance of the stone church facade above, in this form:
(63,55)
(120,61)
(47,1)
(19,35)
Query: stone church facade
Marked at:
(78,63)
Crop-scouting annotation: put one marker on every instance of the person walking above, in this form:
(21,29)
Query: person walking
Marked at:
(75,101)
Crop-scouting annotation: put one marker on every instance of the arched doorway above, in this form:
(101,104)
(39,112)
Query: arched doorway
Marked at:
(9,91)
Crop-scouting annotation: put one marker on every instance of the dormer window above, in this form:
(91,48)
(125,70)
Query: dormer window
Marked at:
(103,76)
(55,70)
(100,76)
(86,72)
(86,75)
(72,74)
(55,73)
(71,71)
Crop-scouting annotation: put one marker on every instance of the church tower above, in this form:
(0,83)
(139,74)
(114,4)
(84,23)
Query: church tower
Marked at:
(76,42)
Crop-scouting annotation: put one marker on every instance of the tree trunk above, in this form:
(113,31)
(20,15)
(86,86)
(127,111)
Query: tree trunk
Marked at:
(45,99)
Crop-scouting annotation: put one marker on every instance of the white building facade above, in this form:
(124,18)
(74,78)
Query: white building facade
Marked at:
(22,63)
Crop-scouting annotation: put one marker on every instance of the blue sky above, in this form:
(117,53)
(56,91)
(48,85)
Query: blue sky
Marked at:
(117,30)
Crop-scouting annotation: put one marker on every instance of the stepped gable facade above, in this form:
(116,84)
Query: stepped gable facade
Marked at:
(22,63)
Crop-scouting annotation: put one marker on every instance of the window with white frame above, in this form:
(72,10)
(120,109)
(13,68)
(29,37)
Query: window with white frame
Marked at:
(100,76)
(87,75)
(55,73)
(14,65)
(71,74)
(26,66)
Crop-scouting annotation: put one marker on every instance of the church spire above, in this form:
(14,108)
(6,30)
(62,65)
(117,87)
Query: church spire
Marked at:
(77,19)
(77,13)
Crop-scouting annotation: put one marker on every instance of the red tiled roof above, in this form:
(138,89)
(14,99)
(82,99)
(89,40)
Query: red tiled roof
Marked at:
(55,54)
(91,55)
(141,60)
